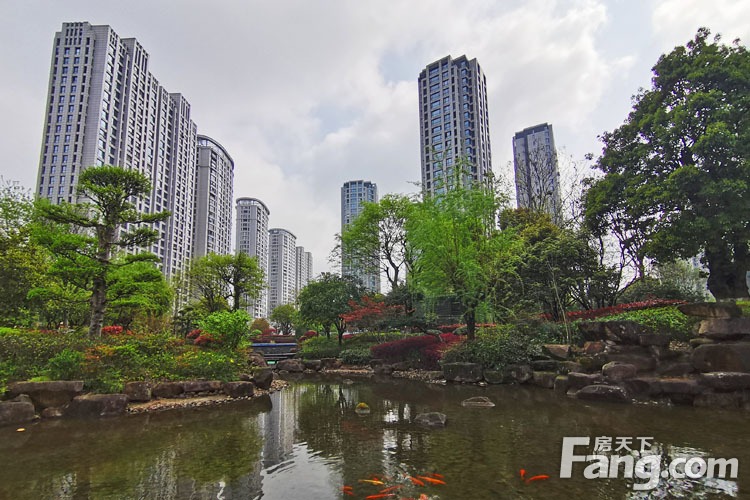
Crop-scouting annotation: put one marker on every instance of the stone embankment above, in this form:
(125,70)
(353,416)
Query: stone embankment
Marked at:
(27,401)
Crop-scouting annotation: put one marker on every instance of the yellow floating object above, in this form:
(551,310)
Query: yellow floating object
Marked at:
(21,429)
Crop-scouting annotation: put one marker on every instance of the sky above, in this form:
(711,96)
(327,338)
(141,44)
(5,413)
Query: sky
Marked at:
(308,94)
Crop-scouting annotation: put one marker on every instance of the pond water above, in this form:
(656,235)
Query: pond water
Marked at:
(308,442)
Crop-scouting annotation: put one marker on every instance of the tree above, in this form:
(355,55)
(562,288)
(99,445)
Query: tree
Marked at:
(376,239)
(227,328)
(110,222)
(222,278)
(22,262)
(137,289)
(372,313)
(284,316)
(677,175)
(325,299)
(458,247)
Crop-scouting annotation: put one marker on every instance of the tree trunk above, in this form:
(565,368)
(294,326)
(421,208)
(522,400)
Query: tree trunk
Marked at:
(471,323)
(98,306)
(726,279)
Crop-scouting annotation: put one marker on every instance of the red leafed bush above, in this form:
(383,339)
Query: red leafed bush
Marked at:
(371,313)
(308,335)
(618,309)
(269,331)
(112,330)
(194,334)
(204,340)
(425,350)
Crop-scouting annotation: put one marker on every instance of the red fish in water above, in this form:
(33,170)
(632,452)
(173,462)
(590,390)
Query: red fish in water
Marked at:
(523,474)
(537,478)
(392,488)
(431,480)
(349,492)
(380,495)
(416,481)
(372,481)
(435,474)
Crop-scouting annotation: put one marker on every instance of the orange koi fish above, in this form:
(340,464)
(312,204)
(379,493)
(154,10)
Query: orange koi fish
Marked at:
(431,480)
(435,474)
(537,478)
(372,481)
(392,488)
(380,495)
(346,487)
(423,497)
(416,481)
(523,473)
(349,492)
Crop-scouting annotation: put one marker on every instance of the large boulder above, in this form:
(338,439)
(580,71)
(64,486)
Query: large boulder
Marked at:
(725,329)
(330,363)
(312,364)
(545,365)
(138,391)
(15,412)
(617,372)
(47,394)
(557,351)
(609,393)
(262,378)
(675,368)
(624,332)
(432,419)
(494,376)
(167,390)
(462,372)
(642,362)
(593,347)
(711,310)
(290,365)
(193,386)
(255,358)
(478,402)
(544,379)
(580,380)
(725,381)
(592,331)
(653,339)
(97,405)
(518,374)
(239,389)
(643,386)
(724,357)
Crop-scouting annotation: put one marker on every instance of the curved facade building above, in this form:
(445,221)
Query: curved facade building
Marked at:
(252,238)
(214,185)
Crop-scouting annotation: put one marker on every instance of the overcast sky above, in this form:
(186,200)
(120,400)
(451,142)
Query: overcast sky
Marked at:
(308,94)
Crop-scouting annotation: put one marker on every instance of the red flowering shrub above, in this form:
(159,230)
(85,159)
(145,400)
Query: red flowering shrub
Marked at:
(112,330)
(618,309)
(424,350)
(204,340)
(371,314)
(194,334)
(308,335)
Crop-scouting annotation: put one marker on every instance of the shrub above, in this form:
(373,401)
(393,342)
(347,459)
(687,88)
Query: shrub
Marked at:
(495,349)
(355,356)
(424,350)
(66,365)
(367,339)
(320,347)
(225,328)
(208,365)
(112,330)
(665,320)
(619,308)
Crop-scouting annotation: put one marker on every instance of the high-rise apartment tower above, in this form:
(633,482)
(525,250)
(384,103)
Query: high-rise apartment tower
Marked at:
(252,238)
(214,184)
(105,107)
(535,165)
(353,195)
(453,122)
(282,268)
(304,269)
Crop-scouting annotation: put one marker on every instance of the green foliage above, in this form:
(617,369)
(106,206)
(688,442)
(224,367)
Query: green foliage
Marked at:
(664,320)
(319,347)
(66,365)
(209,365)
(326,299)
(227,328)
(496,349)
(676,172)
(221,278)
(355,356)
(367,339)
(284,316)
(137,289)
(260,324)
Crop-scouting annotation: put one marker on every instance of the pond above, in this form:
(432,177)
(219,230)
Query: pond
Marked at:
(308,442)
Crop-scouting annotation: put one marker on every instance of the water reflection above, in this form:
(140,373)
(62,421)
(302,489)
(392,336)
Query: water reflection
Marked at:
(308,442)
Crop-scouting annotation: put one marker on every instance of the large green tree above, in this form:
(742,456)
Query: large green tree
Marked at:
(137,290)
(103,225)
(458,246)
(325,299)
(285,316)
(677,174)
(219,279)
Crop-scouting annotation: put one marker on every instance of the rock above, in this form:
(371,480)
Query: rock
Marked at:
(239,389)
(627,349)
(593,363)
(569,367)
(193,386)
(383,370)
(580,380)
(729,400)
(330,363)
(432,419)
(16,412)
(478,402)
(682,386)
(246,377)
(401,366)
(494,376)
(557,351)
(724,357)
(725,329)
(255,358)
(138,391)
(675,368)
(609,393)
(561,384)
(518,374)
(167,390)
(47,394)
(377,362)
(643,386)
(642,362)
(591,348)
(699,341)
(462,372)
(97,405)
(725,381)
(617,372)
(711,310)
(592,331)
(663,352)
(262,378)
(544,365)
(52,413)
(624,332)
(290,365)
(544,379)
(312,364)
(656,339)
(22,398)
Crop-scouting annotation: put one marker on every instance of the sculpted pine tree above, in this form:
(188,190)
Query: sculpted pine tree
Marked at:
(110,222)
